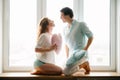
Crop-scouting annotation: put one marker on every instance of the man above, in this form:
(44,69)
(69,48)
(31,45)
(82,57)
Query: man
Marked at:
(75,34)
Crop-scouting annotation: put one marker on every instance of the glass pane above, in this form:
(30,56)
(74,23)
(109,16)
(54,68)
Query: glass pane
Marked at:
(22,32)
(97,16)
(53,12)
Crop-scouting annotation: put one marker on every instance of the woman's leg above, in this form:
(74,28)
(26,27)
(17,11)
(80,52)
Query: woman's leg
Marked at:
(37,70)
(47,69)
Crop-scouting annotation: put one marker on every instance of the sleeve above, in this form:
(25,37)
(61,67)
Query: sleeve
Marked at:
(86,30)
(42,42)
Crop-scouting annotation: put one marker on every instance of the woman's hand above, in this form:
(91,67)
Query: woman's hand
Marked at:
(53,47)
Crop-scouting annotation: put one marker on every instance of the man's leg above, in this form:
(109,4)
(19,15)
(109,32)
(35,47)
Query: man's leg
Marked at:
(69,70)
(85,66)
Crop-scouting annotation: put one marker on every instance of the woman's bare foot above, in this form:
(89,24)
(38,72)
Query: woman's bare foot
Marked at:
(35,72)
(62,74)
(85,66)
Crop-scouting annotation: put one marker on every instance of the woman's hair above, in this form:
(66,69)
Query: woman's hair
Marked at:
(43,26)
(67,11)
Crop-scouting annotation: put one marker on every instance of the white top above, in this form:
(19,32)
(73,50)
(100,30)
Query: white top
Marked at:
(45,42)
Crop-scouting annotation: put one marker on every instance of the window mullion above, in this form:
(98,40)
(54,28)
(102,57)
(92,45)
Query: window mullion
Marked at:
(118,36)
(6,18)
(41,9)
(112,33)
(1,10)
(78,10)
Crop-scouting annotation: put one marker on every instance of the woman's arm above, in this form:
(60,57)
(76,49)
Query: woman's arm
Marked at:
(45,49)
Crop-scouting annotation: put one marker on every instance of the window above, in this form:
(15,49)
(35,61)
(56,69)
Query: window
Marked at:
(21,33)
(97,15)
(98,18)
(20,23)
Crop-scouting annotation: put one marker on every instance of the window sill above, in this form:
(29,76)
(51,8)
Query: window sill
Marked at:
(91,76)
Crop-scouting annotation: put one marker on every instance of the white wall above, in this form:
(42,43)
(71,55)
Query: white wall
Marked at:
(118,36)
(1,36)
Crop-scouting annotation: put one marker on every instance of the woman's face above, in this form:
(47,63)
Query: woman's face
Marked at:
(51,25)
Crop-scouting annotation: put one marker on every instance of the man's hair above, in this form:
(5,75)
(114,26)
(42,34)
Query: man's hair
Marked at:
(67,11)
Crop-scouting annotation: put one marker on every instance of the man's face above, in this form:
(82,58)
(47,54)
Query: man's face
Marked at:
(63,17)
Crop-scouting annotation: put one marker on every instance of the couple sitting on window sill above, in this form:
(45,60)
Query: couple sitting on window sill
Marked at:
(48,44)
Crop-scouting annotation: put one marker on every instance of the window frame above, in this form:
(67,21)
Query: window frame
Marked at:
(78,11)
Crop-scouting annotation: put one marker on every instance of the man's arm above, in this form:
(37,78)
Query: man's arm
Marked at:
(88,43)
(67,51)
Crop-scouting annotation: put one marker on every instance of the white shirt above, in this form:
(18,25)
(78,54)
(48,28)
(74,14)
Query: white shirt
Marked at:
(75,36)
(45,42)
